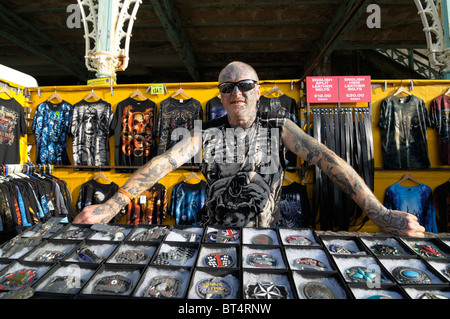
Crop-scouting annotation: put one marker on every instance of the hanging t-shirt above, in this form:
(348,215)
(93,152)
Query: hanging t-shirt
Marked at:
(175,114)
(12,127)
(148,208)
(90,131)
(186,202)
(214,109)
(295,211)
(416,200)
(440,120)
(287,107)
(134,127)
(441,198)
(51,124)
(244,170)
(94,193)
(403,125)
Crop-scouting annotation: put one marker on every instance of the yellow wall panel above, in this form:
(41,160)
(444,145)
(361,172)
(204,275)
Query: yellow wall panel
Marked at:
(425,89)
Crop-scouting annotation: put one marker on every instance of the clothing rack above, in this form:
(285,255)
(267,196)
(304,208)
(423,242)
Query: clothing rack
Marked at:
(7,169)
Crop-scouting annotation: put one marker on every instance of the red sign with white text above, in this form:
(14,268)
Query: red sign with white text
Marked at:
(354,89)
(322,89)
(336,89)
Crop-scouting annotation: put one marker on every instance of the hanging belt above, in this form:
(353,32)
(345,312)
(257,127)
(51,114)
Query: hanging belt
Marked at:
(317,181)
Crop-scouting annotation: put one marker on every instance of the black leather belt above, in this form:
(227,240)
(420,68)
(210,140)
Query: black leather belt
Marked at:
(348,132)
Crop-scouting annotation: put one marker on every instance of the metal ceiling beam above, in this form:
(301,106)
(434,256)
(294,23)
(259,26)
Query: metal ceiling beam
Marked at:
(345,18)
(171,23)
(21,32)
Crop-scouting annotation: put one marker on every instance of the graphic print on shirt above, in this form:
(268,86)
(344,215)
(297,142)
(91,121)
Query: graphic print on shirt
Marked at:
(8,122)
(51,125)
(244,188)
(137,135)
(90,130)
(403,124)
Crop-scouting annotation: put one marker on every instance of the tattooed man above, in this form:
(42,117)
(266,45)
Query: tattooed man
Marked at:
(244,185)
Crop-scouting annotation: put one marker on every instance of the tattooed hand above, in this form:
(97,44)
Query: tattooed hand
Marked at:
(399,223)
(95,214)
(343,175)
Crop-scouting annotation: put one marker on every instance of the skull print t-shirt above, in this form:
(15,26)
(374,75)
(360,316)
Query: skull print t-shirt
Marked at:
(90,131)
(134,128)
(244,170)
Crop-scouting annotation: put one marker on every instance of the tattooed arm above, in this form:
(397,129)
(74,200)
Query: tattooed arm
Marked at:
(342,174)
(142,179)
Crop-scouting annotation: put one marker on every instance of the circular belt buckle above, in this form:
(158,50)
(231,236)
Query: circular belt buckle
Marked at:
(426,250)
(316,290)
(363,274)
(266,290)
(216,260)
(262,239)
(407,275)
(163,286)
(309,263)
(213,288)
(261,260)
(131,256)
(112,284)
(385,250)
(298,240)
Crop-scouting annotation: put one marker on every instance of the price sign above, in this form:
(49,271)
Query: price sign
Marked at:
(157,89)
(354,89)
(322,89)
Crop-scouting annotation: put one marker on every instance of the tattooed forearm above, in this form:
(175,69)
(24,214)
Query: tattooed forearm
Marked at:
(339,171)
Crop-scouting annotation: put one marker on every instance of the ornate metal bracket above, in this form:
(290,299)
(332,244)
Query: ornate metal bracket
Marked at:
(438,52)
(104,22)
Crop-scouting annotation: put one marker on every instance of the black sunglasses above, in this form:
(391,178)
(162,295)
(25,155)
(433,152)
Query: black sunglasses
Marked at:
(243,86)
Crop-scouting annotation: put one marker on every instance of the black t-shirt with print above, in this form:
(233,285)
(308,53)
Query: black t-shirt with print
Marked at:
(12,127)
(244,170)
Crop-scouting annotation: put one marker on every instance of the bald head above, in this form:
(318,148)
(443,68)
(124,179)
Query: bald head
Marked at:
(236,71)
